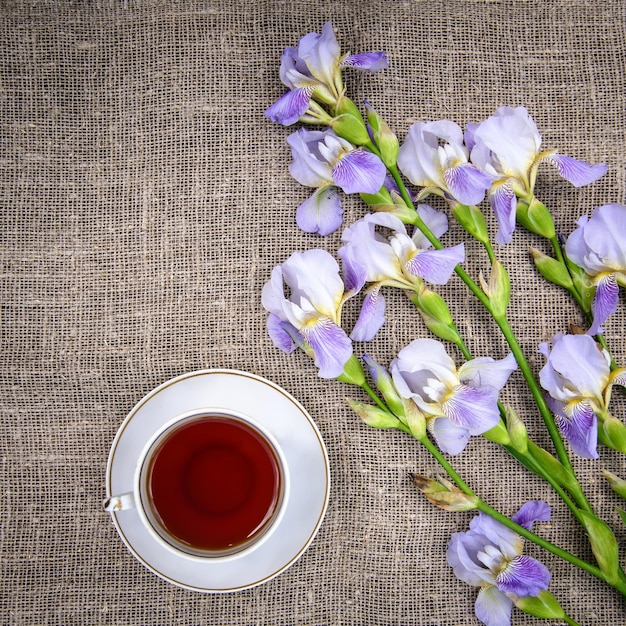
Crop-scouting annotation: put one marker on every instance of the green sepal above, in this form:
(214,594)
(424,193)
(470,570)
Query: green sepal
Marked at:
(617,484)
(553,467)
(415,419)
(551,269)
(472,220)
(544,605)
(353,373)
(583,284)
(603,545)
(536,218)
(382,197)
(498,434)
(348,123)
(612,434)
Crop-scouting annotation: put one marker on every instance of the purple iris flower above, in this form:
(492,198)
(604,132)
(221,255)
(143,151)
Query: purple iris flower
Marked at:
(325,161)
(507,146)
(598,245)
(395,260)
(309,317)
(489,556)
(457,403)
(312,71)
(433,155)
(578,379)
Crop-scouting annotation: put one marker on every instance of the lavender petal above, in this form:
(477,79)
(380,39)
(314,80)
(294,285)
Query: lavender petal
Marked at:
(450,437)
(436,266)
(523,576)
(283,334)
(531,512)
(577,172)
(474,409)
(371,318)
(290,107)
(467,183)
(581,430)
(321,213)
(493,607)
(367,61)
(504,203)
(605,302)
(331,346)
(359,171)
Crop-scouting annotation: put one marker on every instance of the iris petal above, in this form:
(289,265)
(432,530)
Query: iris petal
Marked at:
(474,409)
(371,318)
(467,183)
(331,346)
(531,512)
(581,430)
(290,107)
(367,61)
(321,213)
(283,334)
(436,266)
(359,171)
(605,302)
(450,437)
(504,203)
(577,172)
(493,608)
(524,576)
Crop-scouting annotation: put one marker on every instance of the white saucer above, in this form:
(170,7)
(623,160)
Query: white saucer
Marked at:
(307,466)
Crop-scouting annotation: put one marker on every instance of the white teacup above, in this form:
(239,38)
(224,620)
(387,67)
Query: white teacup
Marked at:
(209,484)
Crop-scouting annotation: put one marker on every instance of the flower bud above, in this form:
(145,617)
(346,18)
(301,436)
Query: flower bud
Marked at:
(517,431)
(498,289)
(415,419)
(444,494)
(551,269)
(436,314)
(536,218)
(384,384)
(373,416)
(348,123)
(612,433)
(544,605)
(385,140)
(618,485)
(472,220)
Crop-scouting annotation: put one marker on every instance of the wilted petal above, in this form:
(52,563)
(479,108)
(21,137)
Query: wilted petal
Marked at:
(531,512)
(450,437)
(523,576)
(290,107)
(331,346)
(467,184)
(474,409)
(577,172)
(283,334)
(436,266)
(321,213)
(359,171)
(605,302)
(371,318)
(493,607)
(581,430)
(485,371)
(367,61)
(504,204)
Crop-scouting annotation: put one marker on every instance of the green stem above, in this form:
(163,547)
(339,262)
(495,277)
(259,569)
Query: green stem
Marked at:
(520,530)
(507,331)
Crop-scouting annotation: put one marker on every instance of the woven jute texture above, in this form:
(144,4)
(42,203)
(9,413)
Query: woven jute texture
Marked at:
(146,199)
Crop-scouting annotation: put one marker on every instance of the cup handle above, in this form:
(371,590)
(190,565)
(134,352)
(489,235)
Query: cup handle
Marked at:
(119,503)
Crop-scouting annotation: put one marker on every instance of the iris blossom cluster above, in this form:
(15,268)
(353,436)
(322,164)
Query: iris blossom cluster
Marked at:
(397,245)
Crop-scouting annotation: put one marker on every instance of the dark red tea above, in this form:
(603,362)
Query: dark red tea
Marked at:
(214,482)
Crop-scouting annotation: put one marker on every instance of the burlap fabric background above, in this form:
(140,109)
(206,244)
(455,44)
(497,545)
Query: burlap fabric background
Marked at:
(145,200)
